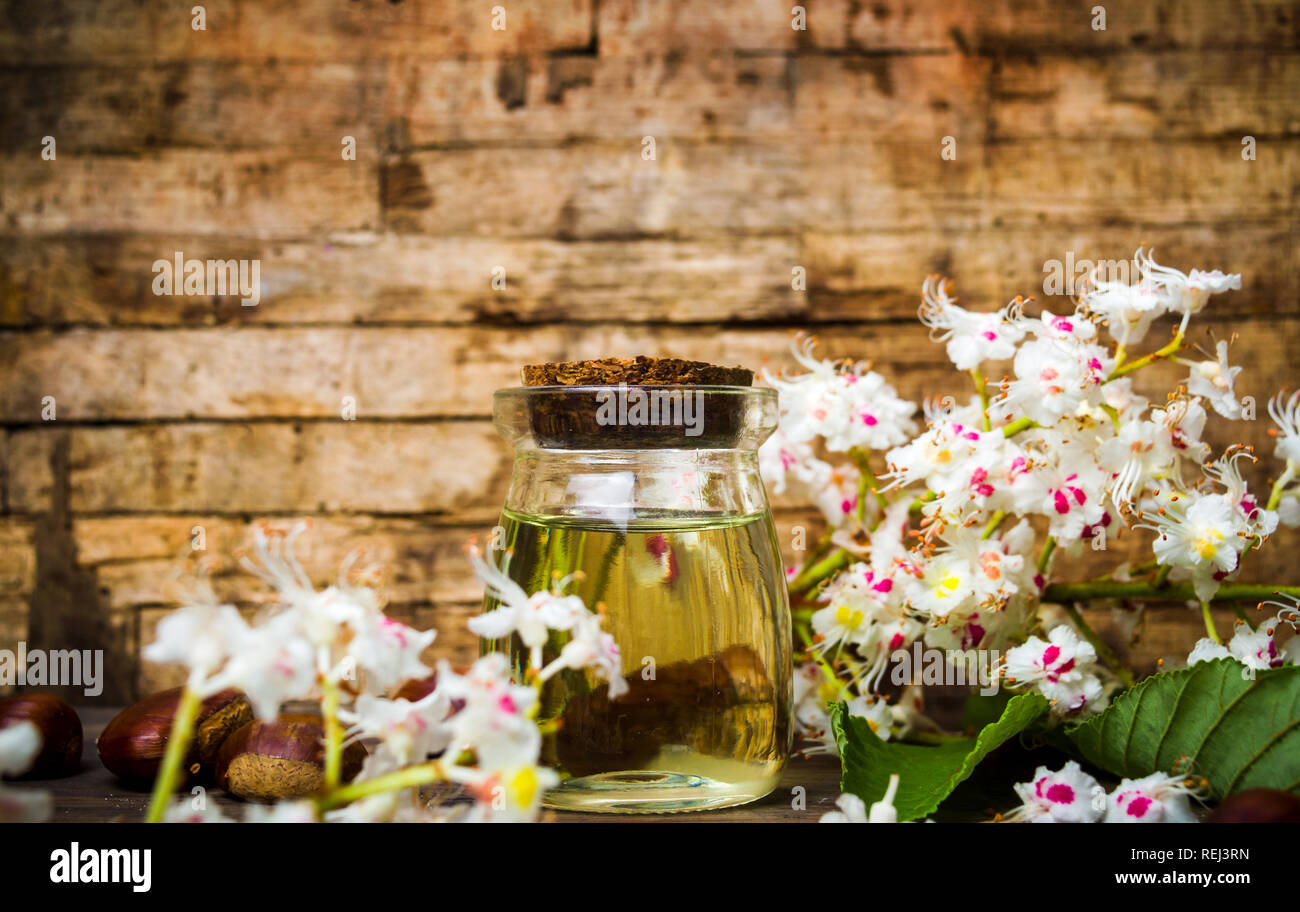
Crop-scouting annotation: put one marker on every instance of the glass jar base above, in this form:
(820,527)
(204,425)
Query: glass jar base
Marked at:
(652,792)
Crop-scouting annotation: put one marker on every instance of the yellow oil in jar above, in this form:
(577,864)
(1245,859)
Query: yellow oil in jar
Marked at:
(698,607)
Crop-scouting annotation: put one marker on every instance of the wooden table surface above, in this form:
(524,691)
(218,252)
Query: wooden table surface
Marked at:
(95,796)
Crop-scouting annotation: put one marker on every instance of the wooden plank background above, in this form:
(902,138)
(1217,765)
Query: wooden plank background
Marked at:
(776,148)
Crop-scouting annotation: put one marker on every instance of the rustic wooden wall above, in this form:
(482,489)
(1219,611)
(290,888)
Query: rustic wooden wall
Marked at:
(522,149)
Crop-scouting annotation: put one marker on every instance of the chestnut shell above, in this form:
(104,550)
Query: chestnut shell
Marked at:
(133,743)
(280,758)
(60,727)
(416,689)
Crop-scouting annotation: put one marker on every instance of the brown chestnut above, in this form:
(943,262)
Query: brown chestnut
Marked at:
(1257,805)
(416,689)
(280,758)
(60,728)
(133,743)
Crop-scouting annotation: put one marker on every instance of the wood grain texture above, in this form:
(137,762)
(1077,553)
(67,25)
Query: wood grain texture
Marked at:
(518,153)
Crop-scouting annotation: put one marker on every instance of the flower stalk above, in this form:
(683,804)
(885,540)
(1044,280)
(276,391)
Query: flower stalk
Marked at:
(178,746)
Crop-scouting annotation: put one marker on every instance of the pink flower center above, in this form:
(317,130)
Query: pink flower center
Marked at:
(1138,806)
(1060,794)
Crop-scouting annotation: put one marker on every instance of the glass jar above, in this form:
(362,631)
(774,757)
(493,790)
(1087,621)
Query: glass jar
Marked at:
(652,496)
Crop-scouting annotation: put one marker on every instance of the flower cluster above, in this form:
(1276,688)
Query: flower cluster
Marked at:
(337,645)
(945,535)
(1070,795)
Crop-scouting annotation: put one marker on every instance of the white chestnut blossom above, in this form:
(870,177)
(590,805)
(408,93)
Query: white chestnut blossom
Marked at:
(846,407)
(1202,535)
(533,617)
(1056,373)
(1157,798)
(1183,293)
(853,809)
(786,463)
(972,338)
(1061,668)
(1127,309)
(1215,382)
(405,731)
(1255,648)
(590,647)
(530,617)
(495,715)
(334,634)
(1067,796)
(1285,412)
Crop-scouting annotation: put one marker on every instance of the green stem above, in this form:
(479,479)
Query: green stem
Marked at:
(1172,348)
(1106,654)
(867,477)
(1275,496)
(1209,622)
(1162,576)
(410,777)
(178,748)
(820,571)
(1134,571)
(823,545)
(992,526)
(1049,547)
(1173,592)
(1113,413)
(803,629)
(1020,424)
(333,736)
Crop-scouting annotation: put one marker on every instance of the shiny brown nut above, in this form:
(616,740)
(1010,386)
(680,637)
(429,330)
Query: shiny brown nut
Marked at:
(417,689)
(1257,805)
(60,728)
(133,743)
(280,758)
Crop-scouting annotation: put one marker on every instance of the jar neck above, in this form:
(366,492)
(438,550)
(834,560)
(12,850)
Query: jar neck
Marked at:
(624,486)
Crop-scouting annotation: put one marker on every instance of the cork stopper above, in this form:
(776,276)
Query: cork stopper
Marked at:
(638,371)
(640,402)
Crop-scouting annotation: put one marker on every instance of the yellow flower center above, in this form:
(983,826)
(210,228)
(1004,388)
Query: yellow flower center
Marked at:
(524,786)
(1207,543)
(848,617)
(946,586)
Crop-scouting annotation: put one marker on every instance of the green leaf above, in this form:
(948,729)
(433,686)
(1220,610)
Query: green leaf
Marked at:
(1237,731)
(927,775)
(984,709)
